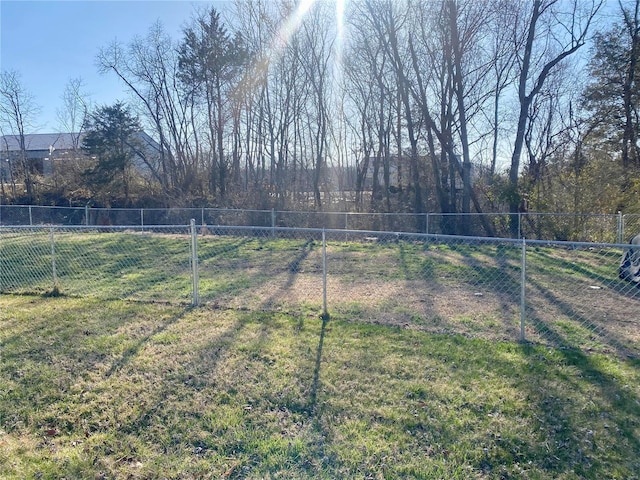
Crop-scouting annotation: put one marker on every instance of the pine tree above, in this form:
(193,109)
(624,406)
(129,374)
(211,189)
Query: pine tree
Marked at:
(111,140)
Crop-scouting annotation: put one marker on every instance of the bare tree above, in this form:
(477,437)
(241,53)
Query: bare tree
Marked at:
(389,25)
(211,60)
(503,58)
(451,88)
(148,66)
(315,57)
(552,32)
(75,110)
(367,93)
(17,114)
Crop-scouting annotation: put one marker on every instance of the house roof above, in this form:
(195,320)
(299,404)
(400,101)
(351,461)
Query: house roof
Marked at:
(41,141)
(60,141)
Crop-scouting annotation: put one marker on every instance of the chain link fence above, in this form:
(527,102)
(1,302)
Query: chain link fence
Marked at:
(565,294)
(105,262)
(617,228)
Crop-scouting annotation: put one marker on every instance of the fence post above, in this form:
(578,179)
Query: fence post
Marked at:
(273,222)
(426,224)
(325,313)
(142,219)
(54,270)
(620,233)
(523,278)
(194,264)
(30,217)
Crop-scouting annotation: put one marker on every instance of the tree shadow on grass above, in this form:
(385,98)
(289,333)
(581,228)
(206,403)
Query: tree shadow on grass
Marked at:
(560,400)
(612,281)
(293,268)
(313,400)
(551,334)
(43,336)
(496,274)
(135,348)
(222,248)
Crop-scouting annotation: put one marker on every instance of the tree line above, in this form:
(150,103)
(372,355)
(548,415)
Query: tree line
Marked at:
(452,106)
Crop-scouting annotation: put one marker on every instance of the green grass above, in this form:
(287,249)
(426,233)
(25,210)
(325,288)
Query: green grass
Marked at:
(108,265)
(113,389)
(574,298)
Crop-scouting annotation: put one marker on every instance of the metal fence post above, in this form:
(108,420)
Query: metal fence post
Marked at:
(54,270)
(620,232)
(86,215)
(523,278)
(30,217)
(273,222)
(325,313)
(1,257)
(142,219)
(194,263)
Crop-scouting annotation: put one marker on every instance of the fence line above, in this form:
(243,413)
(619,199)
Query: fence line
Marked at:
(616,228)
(561,293)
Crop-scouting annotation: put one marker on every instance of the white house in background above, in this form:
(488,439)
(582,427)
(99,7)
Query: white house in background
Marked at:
(43,150)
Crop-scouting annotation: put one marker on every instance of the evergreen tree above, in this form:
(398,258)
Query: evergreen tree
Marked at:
(112,141)
(210,62)
(612,97)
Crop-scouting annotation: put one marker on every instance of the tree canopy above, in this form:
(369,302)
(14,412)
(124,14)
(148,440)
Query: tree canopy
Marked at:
(111,140)
(453,106)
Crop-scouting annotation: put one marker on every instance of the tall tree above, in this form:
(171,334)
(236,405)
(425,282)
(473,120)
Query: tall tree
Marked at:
(72,116)
(111,139)
(148,66)
(612,98)
(390,25)
(18,111)
(212,60)
(553,31)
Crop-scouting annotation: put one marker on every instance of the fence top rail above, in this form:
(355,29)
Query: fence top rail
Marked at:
(301,212)
(564,244)
(319,231)
(136,228)
(564,214)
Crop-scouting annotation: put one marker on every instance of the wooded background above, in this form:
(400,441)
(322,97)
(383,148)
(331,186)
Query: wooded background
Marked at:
(451,106)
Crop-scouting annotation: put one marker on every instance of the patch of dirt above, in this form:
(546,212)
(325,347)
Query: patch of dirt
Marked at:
(602,317)
(409,304)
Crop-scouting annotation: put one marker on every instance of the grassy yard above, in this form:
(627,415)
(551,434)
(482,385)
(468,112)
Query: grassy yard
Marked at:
(94,388)
(574,298)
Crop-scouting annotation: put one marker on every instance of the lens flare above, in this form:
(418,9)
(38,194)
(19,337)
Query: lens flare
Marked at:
(291,26)
(278,44)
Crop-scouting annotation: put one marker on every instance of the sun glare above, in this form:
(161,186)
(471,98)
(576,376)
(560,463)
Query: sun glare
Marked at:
(291,26)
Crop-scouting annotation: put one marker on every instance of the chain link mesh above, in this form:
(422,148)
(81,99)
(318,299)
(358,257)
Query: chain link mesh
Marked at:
(571,297)
(575,298)
(616,228)
(630,227)
(104,262)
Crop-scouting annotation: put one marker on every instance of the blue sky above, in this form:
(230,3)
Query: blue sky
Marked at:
(50,42)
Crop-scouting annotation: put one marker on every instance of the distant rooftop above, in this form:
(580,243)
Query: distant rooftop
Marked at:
(41,141)
(37,142)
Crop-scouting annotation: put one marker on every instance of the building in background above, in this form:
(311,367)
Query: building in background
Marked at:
(44,152)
